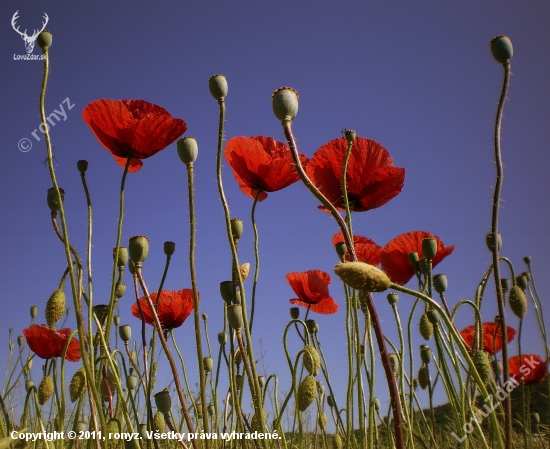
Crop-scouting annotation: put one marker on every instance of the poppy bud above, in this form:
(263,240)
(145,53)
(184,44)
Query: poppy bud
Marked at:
(426,354)
(53,204)
(322,420)
(28,385)
(376,403)
(239,380)
(429,248)
(222,338)
(320,388)
(393,298)
(34,311)
(522,282)
(261,381)
(424,266)
(77,384)
(188,150)
(307,390)
(337,442)
(413,258)
(169,248)
(433,316)
(125,332)
(440,283)
(350,135)
(208,364)
(426,327)
(504,284)
(138,248)
(55,307)
(45,390)
(256,424)
(237,297)
(235,316)
(312,326)
(236,228)
(218,86)
(394,363)
(311,360)
(244,269)
(44,40)
(227,289)
(490,244)
(341,249)
(330,401)
(285,103)
(501,48)
(122,256)
(204,316)
(116,320)
(423,377)
(82,166)
(294,313)
(120,289)
(211,409)
(362,276)
(527,260)
(101,311)
(159,424)
(518,302)
(132,382)
(483,366)
(20,341)
(163,401)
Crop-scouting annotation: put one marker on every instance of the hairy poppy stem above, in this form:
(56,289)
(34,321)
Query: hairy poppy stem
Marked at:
(257,259)
(196,311)
(392,386)
(495,251)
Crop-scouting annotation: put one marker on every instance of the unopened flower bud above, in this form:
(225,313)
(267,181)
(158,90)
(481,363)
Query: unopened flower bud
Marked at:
(527,260)
(188,150)
(163,401)
(138,248)
(55,307)
(423,377)
(490,243)
(285,103)
(125,332)
(429,248)
(433,316)
(440,283)
(393,298)
(44,40)
(34,311)
(501,48)
(218,86)
(425,354)
(222,338)
(518,302)
(53,203)
(414,258)
(426,327)
(236,228)
(20,340)
(362,276)
(45,390)
(341,249)
(483,366)
(312,326)
(505,284)
(169,248)
(120,289)
(122,256)
(208,364)
(77,384)
(311,360)
(82,166)
(307,391)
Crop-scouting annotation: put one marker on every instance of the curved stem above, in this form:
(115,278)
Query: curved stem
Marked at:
(257,259)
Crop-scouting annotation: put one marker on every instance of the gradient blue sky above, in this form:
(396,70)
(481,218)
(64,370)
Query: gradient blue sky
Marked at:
(416,76)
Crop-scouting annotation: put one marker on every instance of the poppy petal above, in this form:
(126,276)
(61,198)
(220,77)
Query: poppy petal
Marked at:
(173,308)
(532,369)
(492,336)
(312,290)
(366,250)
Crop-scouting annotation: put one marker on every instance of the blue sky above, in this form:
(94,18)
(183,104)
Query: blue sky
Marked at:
(418,77)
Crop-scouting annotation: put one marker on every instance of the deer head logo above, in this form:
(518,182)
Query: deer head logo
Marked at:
(29,40)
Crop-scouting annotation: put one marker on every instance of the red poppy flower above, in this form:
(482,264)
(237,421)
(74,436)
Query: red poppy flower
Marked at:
(532,369)
(395,255)
(372,180)
(365,249)
(172,310)
(312,290)
(261,163)
(133,128)
(492,336)
(47,343)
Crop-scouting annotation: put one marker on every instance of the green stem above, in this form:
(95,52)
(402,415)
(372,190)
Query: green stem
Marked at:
(256,257)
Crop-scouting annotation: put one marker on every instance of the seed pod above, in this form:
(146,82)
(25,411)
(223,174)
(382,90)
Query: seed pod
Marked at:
(222,338)
(77,385)
(204,316)
(116,320)
(163,401)
(55,307)
(235,316)
(518,302)
(159,424)
(169,248)
(394,363)
(350,135)
(423,377)
(208,364)
(256,424)
(489,241)
(322,420)
(330,401)
(426,327)
(51,199)
(188,150)
(101,311)
(122,256)
(311,360)
(227,290)
(120,289)
(527,260)
(44,40)
(501,48)
(429,248)
(433,316)
(320,388)
(413,258)
(337,442)
(424,266)
(239,380)
(307,390)
(34,311)
(138,248)
(244,269)
(294,313)
(285,103)
(341,249)
(440,283)
(425,354)
(20,340)
(393,298)
(505,284)
(236,228)
(312,326)
(362,276)
(132,382)
(82,165)
(522,282)
(483,366)
(45,390)
(217,84)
